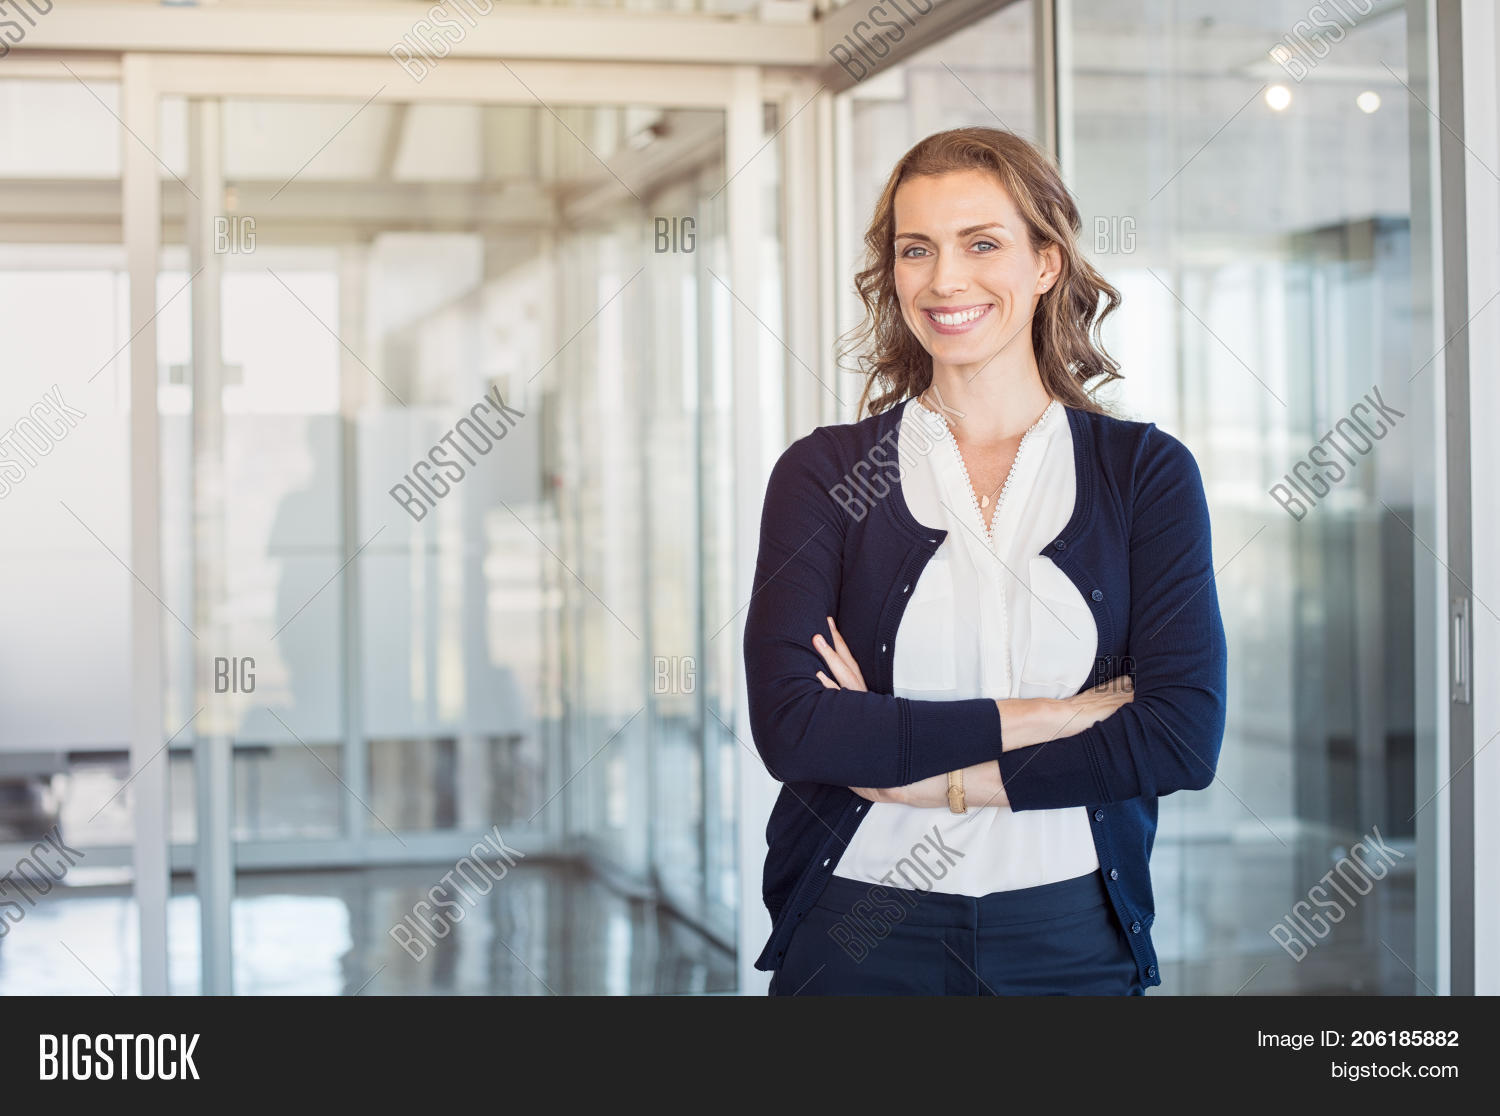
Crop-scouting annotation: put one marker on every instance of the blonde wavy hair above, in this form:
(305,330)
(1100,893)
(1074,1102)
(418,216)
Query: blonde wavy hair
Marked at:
(1065,329)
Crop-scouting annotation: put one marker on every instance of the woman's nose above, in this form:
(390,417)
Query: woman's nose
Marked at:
(949,275)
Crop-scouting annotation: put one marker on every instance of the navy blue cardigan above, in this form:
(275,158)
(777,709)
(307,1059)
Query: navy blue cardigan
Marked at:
(837,539)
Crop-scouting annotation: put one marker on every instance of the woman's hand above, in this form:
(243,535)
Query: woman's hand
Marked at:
(925,792)
(840,662)
(1092,706)
(1028,721)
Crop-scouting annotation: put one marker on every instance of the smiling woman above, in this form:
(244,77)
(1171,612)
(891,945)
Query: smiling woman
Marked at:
(964,810)
(984,192)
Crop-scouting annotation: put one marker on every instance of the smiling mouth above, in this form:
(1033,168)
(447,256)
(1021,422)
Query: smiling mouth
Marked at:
(956,321)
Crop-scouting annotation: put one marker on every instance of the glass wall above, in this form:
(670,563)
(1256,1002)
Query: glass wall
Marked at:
(1248,192)
(437,483)
(65,507)
(445,448)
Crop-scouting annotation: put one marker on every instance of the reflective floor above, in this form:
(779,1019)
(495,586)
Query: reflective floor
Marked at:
(541,929)
(558,928)
(1216,908)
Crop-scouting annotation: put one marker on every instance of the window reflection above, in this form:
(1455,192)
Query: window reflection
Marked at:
(1267,282)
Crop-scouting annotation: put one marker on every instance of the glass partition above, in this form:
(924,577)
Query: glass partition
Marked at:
(65,505)
(436,481)
(1248,192)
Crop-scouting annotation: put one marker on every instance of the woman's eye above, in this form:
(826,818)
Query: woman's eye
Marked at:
(906,252)
(986,244)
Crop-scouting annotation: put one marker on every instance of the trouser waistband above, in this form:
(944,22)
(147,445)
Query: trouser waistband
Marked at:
(999,908)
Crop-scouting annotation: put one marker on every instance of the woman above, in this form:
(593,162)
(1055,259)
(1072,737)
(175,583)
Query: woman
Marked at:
(984,636)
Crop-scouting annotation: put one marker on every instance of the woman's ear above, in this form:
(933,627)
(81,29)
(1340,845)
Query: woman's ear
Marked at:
(1051,261)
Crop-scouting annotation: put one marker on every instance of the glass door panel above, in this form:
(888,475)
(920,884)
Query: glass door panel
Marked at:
(444,418)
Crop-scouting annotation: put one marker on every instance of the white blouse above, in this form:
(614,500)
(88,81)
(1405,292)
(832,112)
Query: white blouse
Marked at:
(989,617)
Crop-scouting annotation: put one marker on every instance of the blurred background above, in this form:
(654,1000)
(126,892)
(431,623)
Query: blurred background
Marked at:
(270,255)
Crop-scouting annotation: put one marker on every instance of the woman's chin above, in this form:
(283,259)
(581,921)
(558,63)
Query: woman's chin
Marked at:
(958,354)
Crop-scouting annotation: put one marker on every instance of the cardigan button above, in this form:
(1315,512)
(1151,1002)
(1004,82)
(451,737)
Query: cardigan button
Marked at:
(883,646)
(1097,594)
(1135,927)
(905,588)
(825,863)
(1114,873)
(1150,972)
(1098,815)
(1060,545)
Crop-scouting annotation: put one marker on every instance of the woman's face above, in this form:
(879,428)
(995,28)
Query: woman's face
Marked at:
(966,276)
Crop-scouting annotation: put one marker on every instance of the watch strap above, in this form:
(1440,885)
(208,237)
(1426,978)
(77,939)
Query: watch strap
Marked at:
(956,802)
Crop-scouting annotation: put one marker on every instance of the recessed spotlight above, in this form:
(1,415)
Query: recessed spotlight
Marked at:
(1368,101)
(1278,97)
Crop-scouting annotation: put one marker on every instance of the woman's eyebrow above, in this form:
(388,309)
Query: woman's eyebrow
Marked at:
(970,231)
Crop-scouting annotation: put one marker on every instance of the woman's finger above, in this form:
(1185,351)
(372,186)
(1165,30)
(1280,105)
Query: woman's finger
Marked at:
(829,682)
(847,679)
(822,647)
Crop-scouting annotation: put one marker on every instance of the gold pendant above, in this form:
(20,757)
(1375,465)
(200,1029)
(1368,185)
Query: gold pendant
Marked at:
(984,502)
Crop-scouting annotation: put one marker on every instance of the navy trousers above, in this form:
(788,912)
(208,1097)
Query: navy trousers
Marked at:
(1059,939)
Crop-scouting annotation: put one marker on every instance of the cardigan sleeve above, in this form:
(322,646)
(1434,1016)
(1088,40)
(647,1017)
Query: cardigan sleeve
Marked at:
(804,731)
(1168,737)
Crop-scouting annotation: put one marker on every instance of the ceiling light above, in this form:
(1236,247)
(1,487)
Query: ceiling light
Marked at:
(1368,101)
(1278,97)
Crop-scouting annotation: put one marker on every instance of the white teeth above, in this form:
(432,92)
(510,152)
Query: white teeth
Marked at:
(959,318)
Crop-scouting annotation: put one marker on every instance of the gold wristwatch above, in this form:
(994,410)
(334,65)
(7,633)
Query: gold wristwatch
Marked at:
(956,803)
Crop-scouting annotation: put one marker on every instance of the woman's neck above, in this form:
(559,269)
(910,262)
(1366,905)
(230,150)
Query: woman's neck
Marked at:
(996,406)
